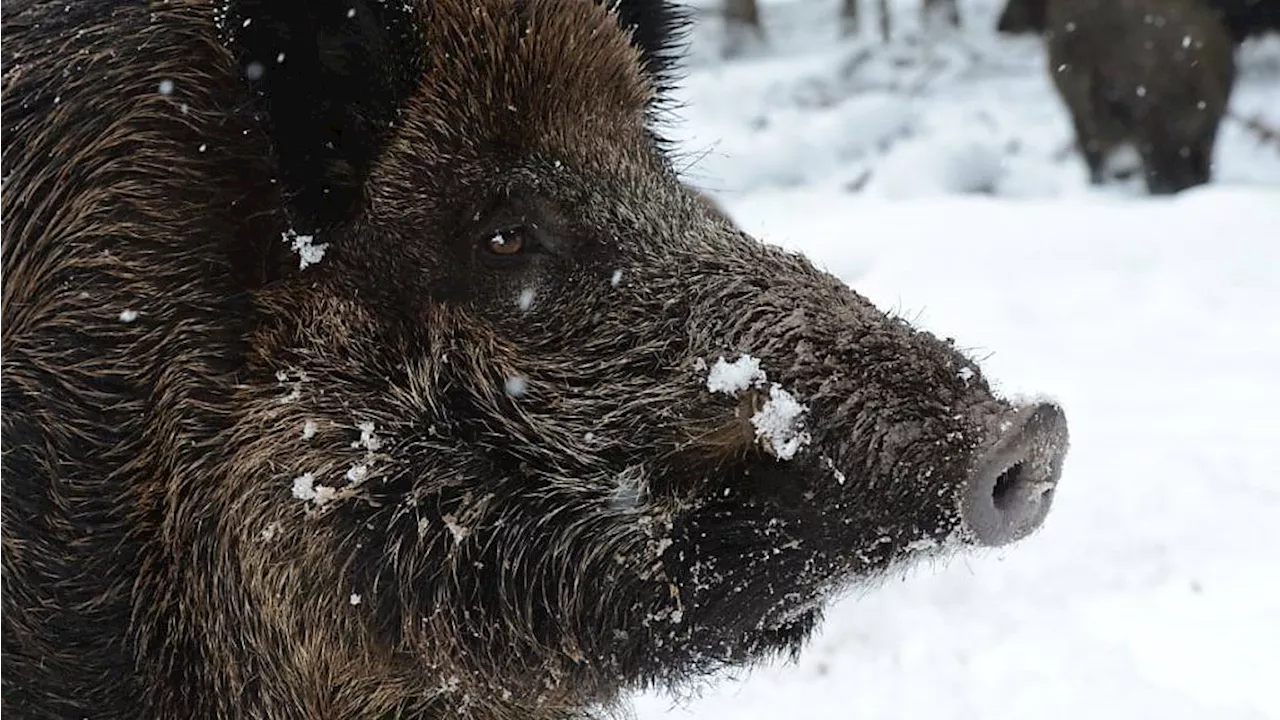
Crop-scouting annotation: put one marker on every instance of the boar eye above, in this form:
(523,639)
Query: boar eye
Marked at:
(508,243)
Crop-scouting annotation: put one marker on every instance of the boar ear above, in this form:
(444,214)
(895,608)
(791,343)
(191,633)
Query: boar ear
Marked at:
(658,29)
(327,78)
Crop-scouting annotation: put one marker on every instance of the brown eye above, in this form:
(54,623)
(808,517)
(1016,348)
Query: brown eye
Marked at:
(506,243)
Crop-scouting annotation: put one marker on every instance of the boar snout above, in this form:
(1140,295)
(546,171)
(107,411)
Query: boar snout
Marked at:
(1013,482)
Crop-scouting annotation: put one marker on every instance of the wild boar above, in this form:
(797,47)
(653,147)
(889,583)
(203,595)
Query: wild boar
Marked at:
(370,360)
(1156,74)
(1248,18)
(1243,19)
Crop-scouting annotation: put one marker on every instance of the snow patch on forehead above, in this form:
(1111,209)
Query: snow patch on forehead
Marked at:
(734,377)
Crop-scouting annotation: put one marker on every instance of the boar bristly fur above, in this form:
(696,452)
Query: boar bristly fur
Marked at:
(1156,74)
(356,365)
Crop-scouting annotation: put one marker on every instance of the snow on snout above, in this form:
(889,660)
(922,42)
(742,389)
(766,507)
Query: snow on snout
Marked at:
(779,423)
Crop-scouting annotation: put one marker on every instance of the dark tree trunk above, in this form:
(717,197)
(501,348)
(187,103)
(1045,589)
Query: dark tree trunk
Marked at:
(742,12)
(849,22)
(741,24)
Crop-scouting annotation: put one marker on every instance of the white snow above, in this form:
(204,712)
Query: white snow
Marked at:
(354,599)
(357,473)
(1151,590)
(309,429)
(323,494)
(306,489)
(369,439)
(733,377)
(128,315)
(309,252)
(777,422)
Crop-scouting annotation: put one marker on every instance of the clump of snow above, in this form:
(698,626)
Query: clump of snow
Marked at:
(306,489)
(734,377)
(354,599)
(254,70)
(357,473)
(778,423)
(369,440)
(309,429)
(128,315)
(616,277)
(166,87)
(309,252)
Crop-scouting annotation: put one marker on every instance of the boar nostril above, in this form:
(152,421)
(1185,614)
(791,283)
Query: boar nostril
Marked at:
(1002,493)
(1012,486)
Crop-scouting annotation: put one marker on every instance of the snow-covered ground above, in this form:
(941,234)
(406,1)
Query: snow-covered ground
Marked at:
(1153,591)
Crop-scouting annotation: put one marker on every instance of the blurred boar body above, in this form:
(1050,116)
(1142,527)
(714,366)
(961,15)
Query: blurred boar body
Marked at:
(370,360)
(1243,19)
(1248,18)
(1156,74)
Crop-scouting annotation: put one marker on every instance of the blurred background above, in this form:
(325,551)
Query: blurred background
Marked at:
(929,161)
